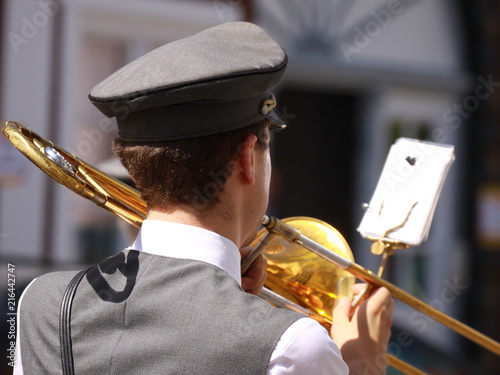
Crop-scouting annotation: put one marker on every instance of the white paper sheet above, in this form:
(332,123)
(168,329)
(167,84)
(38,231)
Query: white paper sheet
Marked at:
(407,191)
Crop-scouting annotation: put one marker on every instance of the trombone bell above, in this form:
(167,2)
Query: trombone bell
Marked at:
(301,276)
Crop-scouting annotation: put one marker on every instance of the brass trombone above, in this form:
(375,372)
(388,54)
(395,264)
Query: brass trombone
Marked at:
(317,302)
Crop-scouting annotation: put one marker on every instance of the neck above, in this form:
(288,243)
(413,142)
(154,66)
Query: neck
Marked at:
(216,219)
(235,216)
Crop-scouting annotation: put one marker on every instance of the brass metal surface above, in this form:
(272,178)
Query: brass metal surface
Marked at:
(300,275)
(80,177)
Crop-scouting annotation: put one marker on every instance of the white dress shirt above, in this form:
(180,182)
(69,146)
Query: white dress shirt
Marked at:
(304,348)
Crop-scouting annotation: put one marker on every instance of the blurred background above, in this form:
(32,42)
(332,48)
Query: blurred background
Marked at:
(361,74)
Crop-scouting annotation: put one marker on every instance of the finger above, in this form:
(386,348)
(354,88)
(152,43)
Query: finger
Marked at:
(381,296)
(251,281)
(244,251)
(257,267)
(341,311)
(254,279)
(381,302)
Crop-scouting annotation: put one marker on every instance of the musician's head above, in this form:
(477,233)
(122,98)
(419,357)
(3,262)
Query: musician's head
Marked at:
(187,111)
(190,171)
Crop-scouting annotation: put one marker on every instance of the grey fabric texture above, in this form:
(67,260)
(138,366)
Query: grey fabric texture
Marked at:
(233,66)
(177,317)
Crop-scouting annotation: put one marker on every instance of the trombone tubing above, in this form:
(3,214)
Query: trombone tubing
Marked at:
(291,234)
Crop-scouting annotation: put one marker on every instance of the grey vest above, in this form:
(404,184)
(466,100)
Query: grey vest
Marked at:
(139,313)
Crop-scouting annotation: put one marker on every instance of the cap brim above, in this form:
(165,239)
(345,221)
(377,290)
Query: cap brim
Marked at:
(277,124)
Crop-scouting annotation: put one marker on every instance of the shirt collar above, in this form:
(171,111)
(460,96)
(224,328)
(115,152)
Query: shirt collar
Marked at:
(189,242)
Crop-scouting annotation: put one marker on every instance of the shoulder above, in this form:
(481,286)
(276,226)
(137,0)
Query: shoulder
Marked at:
(52,279)
(306,347)
(47,288)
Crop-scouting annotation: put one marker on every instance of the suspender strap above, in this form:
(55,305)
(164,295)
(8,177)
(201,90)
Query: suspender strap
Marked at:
(64,323)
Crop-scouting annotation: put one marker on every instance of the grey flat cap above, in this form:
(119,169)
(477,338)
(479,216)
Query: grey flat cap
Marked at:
(215,81)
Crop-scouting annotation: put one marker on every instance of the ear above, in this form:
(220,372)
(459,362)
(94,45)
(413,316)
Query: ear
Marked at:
(246,159)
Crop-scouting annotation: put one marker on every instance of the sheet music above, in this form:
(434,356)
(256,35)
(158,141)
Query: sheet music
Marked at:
(407,191)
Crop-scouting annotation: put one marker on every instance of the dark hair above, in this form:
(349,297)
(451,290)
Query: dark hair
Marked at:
(189,171)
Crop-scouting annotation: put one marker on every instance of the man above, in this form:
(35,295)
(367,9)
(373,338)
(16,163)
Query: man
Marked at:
(195,121)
